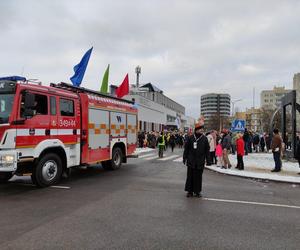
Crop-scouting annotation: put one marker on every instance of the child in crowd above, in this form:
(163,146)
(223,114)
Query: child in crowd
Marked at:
(219,154)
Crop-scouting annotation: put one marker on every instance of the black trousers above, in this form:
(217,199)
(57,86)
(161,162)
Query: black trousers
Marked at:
(240,162)
(194,180)
(213,158)
(277,160)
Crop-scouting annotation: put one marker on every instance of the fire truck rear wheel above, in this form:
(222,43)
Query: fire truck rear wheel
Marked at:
(48,170)
(117,157)
(5,176)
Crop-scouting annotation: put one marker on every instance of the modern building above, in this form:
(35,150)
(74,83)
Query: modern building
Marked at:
(271,99)
(296,81)
(156,111)
(254,120)
(215,108)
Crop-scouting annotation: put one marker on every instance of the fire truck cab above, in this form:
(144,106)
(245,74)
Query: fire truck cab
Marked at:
(46,130)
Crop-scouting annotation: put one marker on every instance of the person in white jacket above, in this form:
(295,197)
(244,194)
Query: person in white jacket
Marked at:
(212,148)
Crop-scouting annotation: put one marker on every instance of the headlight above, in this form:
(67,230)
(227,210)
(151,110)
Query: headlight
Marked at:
(7,159)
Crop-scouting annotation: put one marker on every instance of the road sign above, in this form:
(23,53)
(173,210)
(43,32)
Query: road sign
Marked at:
(238,126)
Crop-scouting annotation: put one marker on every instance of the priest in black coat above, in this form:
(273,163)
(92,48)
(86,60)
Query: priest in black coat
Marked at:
(196,152)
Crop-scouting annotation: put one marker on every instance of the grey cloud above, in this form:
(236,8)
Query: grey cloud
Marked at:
(187,48)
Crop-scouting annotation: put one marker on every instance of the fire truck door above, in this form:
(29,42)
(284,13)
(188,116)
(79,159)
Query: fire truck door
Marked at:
(36,127)
(67,123)
(53,117)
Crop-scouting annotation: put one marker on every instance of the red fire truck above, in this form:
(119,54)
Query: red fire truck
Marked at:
(46,130)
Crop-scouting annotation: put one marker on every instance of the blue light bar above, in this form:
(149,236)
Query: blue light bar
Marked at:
(13,78)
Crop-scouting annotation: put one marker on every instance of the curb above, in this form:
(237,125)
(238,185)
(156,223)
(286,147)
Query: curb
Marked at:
(297,182)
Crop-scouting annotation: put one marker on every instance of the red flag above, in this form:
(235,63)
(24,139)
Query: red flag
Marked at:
(123,89)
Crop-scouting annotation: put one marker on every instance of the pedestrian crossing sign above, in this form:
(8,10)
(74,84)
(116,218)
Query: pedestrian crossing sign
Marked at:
(238,126)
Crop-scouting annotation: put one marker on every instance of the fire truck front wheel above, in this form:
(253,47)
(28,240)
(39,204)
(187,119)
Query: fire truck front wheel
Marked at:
(5,176)
(47,171)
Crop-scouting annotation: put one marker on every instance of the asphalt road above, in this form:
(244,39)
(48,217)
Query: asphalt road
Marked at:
(143,206)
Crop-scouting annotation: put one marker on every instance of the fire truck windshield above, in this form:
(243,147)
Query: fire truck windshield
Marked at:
(6,103)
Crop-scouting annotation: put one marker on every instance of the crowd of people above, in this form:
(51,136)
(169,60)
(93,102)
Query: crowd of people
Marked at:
(162,140)
(221,144)
(213,148)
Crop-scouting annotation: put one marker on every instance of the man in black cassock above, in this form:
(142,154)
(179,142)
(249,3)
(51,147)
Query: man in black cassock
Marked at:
(196,151)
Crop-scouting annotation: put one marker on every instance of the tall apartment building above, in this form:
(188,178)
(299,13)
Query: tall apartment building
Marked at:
(271,99)
(216,109)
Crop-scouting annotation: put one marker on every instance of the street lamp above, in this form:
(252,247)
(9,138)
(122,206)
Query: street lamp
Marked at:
(233,103)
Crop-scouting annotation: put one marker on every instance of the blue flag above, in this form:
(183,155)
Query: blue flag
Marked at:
(80,68)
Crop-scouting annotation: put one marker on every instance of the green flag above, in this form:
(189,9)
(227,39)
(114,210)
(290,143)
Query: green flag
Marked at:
(104,86)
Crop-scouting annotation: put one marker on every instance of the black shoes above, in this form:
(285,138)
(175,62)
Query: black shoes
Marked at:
(198,195)
(276,170)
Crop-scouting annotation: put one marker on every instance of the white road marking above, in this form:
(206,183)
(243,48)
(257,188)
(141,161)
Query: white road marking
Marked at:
(252,203)
(180,159)
(61,187)
(144,156)
(151,158)
(168,158)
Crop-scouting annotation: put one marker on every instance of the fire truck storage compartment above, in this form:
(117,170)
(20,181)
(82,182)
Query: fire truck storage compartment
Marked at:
(98,129)
(118,124)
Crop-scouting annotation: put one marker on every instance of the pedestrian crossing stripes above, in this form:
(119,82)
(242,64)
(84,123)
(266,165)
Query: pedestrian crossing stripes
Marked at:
(180,159)
(168,157)
(154,156)
(146,155)
(151,158)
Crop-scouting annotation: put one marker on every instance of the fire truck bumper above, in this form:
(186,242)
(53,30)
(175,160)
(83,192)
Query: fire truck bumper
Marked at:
(8,161)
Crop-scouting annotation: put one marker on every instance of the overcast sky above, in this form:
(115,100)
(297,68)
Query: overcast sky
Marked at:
(186,48)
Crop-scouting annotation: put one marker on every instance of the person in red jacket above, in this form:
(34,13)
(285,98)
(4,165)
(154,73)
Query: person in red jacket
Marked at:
(240,148)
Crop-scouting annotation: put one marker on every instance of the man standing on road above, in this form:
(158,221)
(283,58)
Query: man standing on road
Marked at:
(196,151)
(276,147)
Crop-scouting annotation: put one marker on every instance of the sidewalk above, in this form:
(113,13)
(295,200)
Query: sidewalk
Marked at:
(259,166)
